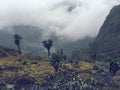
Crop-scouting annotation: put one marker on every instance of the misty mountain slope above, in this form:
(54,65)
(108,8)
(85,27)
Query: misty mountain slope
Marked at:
(30,35)
(6,38)
(107,43)
(32,38)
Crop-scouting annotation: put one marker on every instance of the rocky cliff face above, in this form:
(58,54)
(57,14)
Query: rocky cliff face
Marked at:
(107,43)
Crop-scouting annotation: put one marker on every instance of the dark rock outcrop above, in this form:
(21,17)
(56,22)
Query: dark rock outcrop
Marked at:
(24,82)
(5,52)
(107,43)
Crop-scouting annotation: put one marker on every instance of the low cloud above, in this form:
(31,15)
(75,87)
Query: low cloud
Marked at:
(72,19)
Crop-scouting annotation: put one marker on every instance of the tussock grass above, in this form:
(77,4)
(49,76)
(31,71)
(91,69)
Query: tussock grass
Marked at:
(37,71)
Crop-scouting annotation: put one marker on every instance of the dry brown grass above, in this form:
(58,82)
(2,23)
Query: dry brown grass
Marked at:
(36,71)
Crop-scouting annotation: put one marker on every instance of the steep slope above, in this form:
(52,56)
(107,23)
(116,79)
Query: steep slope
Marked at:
(107,43)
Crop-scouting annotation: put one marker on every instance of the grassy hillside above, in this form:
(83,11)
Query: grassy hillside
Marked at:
(13,67)
(86,75)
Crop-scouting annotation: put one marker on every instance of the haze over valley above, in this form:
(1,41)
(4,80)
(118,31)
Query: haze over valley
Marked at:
(71,24)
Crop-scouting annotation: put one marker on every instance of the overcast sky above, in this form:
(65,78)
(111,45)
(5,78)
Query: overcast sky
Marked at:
(74,19)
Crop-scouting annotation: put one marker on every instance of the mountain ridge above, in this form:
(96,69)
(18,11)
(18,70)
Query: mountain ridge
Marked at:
(106,44)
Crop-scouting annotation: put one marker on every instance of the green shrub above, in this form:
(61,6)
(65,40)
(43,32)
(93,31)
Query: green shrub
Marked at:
(24,62)
(55,60)
(117,60)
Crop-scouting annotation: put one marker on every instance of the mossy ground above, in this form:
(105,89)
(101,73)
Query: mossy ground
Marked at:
(16,66)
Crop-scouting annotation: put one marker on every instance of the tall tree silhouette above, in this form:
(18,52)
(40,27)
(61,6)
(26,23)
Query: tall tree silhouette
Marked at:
(17,38)
(48,44)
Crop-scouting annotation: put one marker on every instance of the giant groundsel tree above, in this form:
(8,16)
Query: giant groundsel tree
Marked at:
(48,44)
(17,39)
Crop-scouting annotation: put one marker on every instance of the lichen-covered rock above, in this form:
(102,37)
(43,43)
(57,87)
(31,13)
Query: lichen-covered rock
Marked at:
(71,79)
